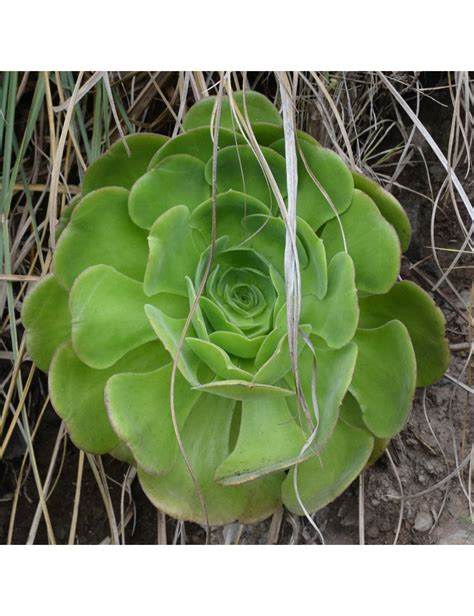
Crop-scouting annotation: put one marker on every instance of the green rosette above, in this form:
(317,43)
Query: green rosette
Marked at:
(133,259)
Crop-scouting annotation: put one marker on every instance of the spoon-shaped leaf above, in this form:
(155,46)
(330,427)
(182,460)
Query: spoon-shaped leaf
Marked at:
(45,315)
(238,169)
(176,180)
(425,322)
(101,232)
(197,143)
(253,105)
(367,234)
(389,207)
(385,377)
(207,428)
(331,173)
(331,371)
(334,317)
(108,317)
(77,393)
(269,440)
(139,409)
(168,237)
(120,168)
(323,477)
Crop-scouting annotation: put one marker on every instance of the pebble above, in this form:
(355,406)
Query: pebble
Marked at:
(373,532)
(423,521)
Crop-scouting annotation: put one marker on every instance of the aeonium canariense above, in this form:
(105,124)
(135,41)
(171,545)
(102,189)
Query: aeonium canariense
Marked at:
(132,253)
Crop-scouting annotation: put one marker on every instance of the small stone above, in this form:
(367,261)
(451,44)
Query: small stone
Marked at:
(351,519)
(423,521)
(372,532)
(429,466)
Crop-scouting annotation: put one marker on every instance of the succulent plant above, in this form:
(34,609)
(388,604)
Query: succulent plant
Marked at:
(136,256)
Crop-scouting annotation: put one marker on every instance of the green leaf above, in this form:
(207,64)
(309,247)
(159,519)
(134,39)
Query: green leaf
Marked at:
(101,232)
(217,360)
(238,169)
(331,173)
(269,440)
(367,234)
(269,345)
(333,370)
(425,322)
(244,390)
(314,276)
(252,104)
(169,331)
(217,317)
(268,134)
(231,209)
(385,377)
(108,318)
(334,317)
(351,414)
(176,180)
(139,409)
(266,235)
(117,167)
(170,236)
(322,478)
(45,316)
(207,429)
(77,393)
(279,363)
(197,143)
(123,454)
(66,216)
(237,344)
(389,207)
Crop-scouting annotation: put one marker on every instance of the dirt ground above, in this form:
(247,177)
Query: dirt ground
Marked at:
(423,454)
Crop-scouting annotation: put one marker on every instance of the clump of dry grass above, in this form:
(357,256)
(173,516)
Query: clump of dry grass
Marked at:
(53,125)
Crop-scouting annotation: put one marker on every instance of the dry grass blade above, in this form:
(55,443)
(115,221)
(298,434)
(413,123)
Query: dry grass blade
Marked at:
(361,509)
(40,509)
(434,146)
(52,204)
(83,90)
(161,528)
(99,475)
(77,498)
(402,496)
